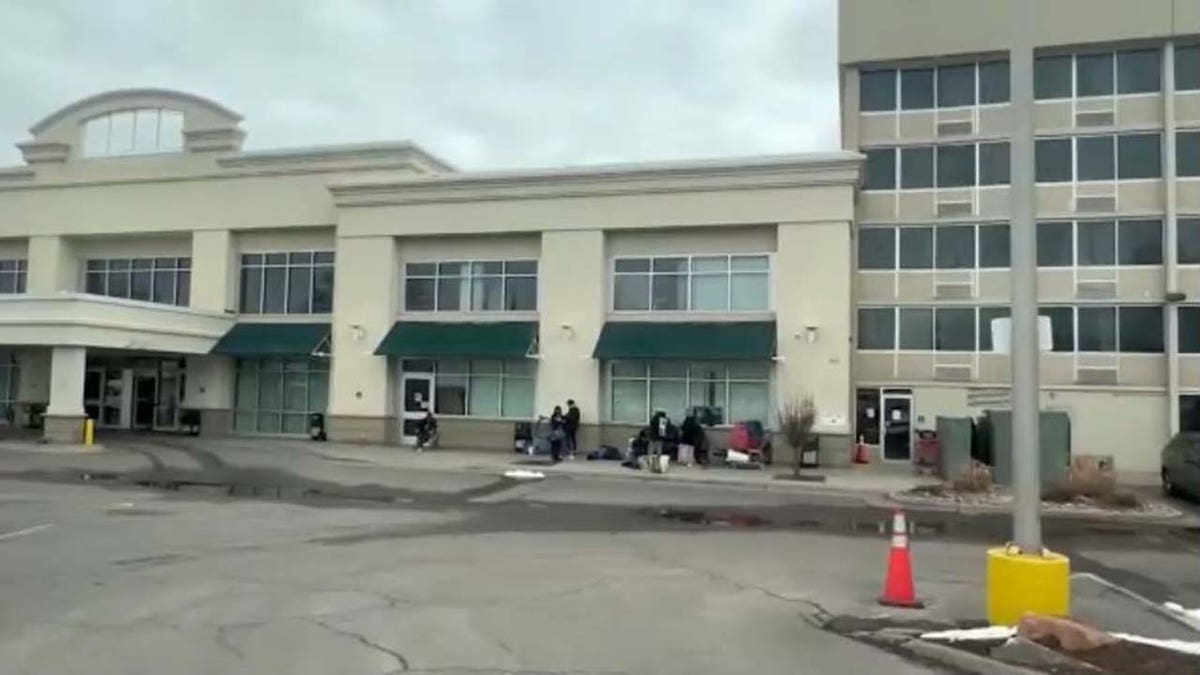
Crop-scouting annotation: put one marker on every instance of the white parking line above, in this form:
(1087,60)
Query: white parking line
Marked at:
(28,530)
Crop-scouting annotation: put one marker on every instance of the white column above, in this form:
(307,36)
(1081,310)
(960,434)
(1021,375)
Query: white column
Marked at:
(67,367)
(214,271)
(1170,230)
(52,265)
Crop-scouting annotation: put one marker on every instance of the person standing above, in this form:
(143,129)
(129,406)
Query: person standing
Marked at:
(571,427)
(558,433)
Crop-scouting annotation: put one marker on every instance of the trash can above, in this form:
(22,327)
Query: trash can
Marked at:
(810,454)
(316,426)
(189,421)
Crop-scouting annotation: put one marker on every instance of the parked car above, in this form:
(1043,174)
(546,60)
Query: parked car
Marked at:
(1181,465)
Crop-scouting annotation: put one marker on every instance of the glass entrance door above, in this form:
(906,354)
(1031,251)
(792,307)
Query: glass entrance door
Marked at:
(170,395)
(897,427)
(416,399)
(145,397)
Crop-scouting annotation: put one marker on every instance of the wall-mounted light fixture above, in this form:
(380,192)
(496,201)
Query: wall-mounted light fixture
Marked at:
(358,332)
(809,334)
(568,330)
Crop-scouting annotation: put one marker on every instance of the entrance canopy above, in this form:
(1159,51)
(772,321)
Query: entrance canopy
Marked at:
(715,340)
(428,339)
(275,339)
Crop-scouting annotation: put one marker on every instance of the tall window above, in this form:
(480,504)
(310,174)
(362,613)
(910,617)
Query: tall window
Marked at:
(735,391)
(1188,239)
(1189,329)
(1127,71)
(952,165)
(276,396)
(1105,157)
(1187,154)
(1187,68)
(716,283)
(167,281)
(12,275)
(480,388)
(9,374)
(950,86)
(1100,243)
(133,132)
(478,286)
(300,282)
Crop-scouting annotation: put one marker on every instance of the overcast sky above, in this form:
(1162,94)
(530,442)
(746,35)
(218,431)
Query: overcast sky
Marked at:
(481,83)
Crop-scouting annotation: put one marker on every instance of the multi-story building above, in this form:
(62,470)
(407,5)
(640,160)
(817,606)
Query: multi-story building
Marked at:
(925,96)
(149,266)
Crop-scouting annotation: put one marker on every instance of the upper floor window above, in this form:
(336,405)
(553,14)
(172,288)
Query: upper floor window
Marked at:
(940,247)
(1189,329)
(951,86)
(1128,71)
(1187,236)
(951,165)
(299,282)
(1187,154)
(1187,68)
(1093,158)
(1098,243)
(167,281)
(478,286)
(133,132)
(12,275)
(715,283)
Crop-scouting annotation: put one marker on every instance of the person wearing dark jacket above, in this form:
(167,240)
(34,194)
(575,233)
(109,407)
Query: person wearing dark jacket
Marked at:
(571,427)
(558,424)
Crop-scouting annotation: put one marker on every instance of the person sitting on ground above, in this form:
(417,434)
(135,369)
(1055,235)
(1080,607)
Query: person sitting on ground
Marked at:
(427,431)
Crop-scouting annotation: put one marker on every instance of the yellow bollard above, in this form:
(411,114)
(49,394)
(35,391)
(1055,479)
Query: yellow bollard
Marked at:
(1018,583)
(89,431)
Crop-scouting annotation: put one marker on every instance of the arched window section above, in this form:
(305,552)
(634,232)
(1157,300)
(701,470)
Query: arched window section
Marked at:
(133,132)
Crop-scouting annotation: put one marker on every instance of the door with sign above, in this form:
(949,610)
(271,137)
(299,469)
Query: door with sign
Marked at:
(897,427)
(416,399)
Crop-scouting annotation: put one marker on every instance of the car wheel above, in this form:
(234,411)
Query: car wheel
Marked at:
(1169,488)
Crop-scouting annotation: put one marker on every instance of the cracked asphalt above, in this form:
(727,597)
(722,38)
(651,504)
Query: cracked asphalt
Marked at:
(153,570)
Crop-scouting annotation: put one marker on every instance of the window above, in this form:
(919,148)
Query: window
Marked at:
(1096,243)
(916,328)
(877,328)
(916,248)
(1094,74)
(165,281)
(994,246)
(993,82)
(1062,327)
(880,171)
(1054,244)
(1187,237)
(1139,242)
(1140,329)
(1053,160)
(1052,77)
(133,132)
(986,316)
(1189,413)
(734,391)
(1095,158)
(955,247)
(954,329)
(877,90)
(480,286)
(956,165)
(1187,154)
(916,167)
(877,248)
(1139,71)
(956,86)
(1097,327)
(733,283)
(276,396)
(12,275)
(299,282)
(1187,68)
(1139,156)
(1189,330)
(916,89)
(480,388)
(994,163)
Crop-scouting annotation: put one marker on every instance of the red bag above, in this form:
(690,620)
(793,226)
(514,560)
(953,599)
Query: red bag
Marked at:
(740,438)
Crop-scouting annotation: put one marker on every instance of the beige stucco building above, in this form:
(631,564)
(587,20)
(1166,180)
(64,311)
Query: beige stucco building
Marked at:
(156,268)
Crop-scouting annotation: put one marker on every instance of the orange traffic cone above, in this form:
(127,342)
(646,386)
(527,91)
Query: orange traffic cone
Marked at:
(861,454)
(898,588)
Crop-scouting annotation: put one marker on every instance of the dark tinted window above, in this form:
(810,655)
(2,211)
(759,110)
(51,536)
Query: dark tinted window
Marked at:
(1187,237)
(880,170)
(1187,68)
(956,86)
(1187,153)
(994,163)
(1096,242)
(916,167)
(1052,77)
(916,248)
(1141,329)
(956,247)
(1140,242)
(993,82)
(916,328)
(1053,157)
(1094,74)
(956,165)
(877,328)
(986,315)
(1097,329)
(1139,156)
(1189,413)
(1054,244)
(916,89)
(1095,157)
(1062,327)
(954,329)
(994,245)
(877,248)
(1189,330)
(877,90)
(1139,71)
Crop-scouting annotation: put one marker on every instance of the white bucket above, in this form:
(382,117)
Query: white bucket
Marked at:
(736,457)
(663,462)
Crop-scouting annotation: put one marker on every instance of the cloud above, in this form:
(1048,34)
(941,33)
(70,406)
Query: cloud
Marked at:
(484,83)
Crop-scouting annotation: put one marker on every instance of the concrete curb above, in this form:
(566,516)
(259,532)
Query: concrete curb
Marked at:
(894,500)
(963,660)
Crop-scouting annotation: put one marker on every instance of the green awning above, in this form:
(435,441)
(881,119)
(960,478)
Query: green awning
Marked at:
(275,339)
(738,340)
(429,340)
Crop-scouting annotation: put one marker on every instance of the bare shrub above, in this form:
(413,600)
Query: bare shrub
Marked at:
(1088,483)
(796,419)
(976,479)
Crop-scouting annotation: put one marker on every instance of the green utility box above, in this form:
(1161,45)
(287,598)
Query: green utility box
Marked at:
(1055,441)
(954,437)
